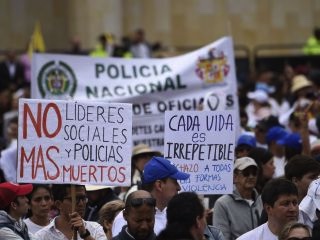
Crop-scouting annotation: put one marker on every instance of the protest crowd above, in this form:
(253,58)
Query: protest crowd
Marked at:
(276,190)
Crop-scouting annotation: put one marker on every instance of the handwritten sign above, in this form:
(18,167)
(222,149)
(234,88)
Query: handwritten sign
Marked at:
(74,142)
(202,143)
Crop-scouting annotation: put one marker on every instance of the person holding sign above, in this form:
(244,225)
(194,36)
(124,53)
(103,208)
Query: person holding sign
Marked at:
(239,212)
(14,205)
(65,224)
(139,214)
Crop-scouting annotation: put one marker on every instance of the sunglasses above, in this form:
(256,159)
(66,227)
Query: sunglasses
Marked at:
(138,202)
(297,238)
(78,199)
(249,171)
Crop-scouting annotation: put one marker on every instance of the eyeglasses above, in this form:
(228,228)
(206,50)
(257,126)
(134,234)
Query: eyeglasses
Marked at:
(249,171)
(137,202)
(297,238)
(78,199)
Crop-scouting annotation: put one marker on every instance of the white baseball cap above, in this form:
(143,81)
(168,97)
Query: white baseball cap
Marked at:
(244,162)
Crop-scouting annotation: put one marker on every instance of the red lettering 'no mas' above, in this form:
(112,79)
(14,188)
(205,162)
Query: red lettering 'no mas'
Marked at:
(40,121)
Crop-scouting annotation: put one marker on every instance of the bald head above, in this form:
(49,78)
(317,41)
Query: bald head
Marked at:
(139,198)
(139,213)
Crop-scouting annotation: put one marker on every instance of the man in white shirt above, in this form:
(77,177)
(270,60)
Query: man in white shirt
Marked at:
(273,135)
(280,200)
(160,179)
(64,225)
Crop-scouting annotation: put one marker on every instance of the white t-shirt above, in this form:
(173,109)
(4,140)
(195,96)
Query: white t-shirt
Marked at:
(279,164)
(260,233)
(159,223)
(32,227)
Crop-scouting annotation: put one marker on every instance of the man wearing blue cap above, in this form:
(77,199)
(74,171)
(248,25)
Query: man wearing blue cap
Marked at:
(292,143)
(274,134)
(160,178)
(244,144)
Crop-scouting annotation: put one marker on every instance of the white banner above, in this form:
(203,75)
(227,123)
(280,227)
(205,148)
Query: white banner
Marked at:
(74,142)
(202,144)
(203,79)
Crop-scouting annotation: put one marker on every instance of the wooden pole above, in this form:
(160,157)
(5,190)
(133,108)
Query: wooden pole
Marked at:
(73,207)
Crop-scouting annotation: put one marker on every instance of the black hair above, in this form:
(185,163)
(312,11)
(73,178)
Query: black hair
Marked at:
(182,212)
(36,187)
(299,165)
(59,191)
(275,188)
(290,152)
(260,155)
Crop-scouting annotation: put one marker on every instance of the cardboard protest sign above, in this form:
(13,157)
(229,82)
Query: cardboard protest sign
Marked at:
(202,79)
(202,144)
(74,142)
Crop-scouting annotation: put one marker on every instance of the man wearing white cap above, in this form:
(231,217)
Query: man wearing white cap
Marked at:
(239,212)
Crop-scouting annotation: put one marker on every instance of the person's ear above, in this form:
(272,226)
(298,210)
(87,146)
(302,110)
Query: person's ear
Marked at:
(295,180)
(158,185)
(198,222)
(14,205)
(267,208)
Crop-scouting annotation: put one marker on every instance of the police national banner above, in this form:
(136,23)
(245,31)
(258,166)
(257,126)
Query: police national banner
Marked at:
(200,80)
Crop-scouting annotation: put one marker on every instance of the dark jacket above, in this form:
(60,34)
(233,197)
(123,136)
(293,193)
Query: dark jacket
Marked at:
(124,235)
(18,227)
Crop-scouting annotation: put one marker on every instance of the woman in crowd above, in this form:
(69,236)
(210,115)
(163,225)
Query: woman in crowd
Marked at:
(295,231)
(40,200)
(107,214)
(186,218)
(264,159)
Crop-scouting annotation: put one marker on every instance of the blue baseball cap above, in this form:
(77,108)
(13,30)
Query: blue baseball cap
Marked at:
(158,168)
(246,139)
(292,140)
(276,133)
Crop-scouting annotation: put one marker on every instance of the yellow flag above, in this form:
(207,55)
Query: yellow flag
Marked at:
(36,43)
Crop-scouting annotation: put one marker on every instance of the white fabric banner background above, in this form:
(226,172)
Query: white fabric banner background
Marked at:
(203,79)
(74,142)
